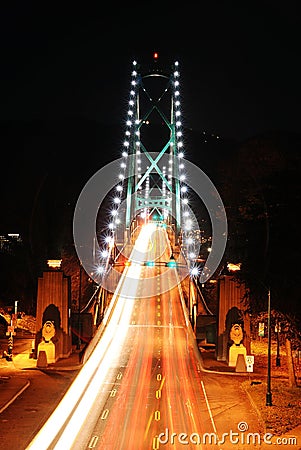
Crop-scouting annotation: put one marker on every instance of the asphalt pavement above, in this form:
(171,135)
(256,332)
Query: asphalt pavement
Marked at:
(15,379)
(14,374)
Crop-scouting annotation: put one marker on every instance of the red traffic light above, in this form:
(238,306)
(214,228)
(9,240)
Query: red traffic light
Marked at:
(156,56)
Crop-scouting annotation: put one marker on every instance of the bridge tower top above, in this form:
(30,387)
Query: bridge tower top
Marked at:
(154,140)
(152,182)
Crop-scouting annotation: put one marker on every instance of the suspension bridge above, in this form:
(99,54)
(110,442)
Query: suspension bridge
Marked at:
(141,371)
(148,184)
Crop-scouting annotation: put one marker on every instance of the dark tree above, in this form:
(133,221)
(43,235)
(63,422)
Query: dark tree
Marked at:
(261,190)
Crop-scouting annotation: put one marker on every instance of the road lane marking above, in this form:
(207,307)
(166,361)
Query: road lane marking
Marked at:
(155,443)
(105,414)
(113,392)
(209,409)
(93,442)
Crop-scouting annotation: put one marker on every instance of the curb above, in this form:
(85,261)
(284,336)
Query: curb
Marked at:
(15,396)
(255,408)
(221,372)
(60,369)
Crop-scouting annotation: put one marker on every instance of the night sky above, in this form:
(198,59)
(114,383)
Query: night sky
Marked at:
(63,65)
(239,62)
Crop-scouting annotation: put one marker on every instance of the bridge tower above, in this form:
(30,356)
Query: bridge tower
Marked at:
(153,139)
(149,181)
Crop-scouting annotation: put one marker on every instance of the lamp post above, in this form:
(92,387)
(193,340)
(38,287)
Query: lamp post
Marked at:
(189,298)
(78,312)
(269,393)
(277,329)
(194,272)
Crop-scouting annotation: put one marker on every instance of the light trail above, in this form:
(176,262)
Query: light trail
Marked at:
(75,405)
(142,359)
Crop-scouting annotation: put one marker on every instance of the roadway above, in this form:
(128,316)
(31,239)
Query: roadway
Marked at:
(154,383)
(142,387)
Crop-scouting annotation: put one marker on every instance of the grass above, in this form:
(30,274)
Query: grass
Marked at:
(285,413)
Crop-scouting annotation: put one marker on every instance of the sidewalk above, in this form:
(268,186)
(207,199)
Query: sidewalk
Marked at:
(13,382)
(210,363)
(259,375)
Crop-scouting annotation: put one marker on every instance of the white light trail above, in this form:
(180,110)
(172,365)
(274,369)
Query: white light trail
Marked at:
(79,398)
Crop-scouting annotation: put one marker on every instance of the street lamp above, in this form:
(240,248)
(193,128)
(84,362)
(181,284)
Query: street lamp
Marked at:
(78,313)
(277,330)
(194,272)
(269,393)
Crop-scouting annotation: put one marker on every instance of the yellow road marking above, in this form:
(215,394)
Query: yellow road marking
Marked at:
(93,442)
(157,415)
(155,443)
(105,414)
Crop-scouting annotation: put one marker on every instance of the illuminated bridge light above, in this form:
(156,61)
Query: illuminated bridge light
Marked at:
(150,263)
(172,264)
(194,271)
